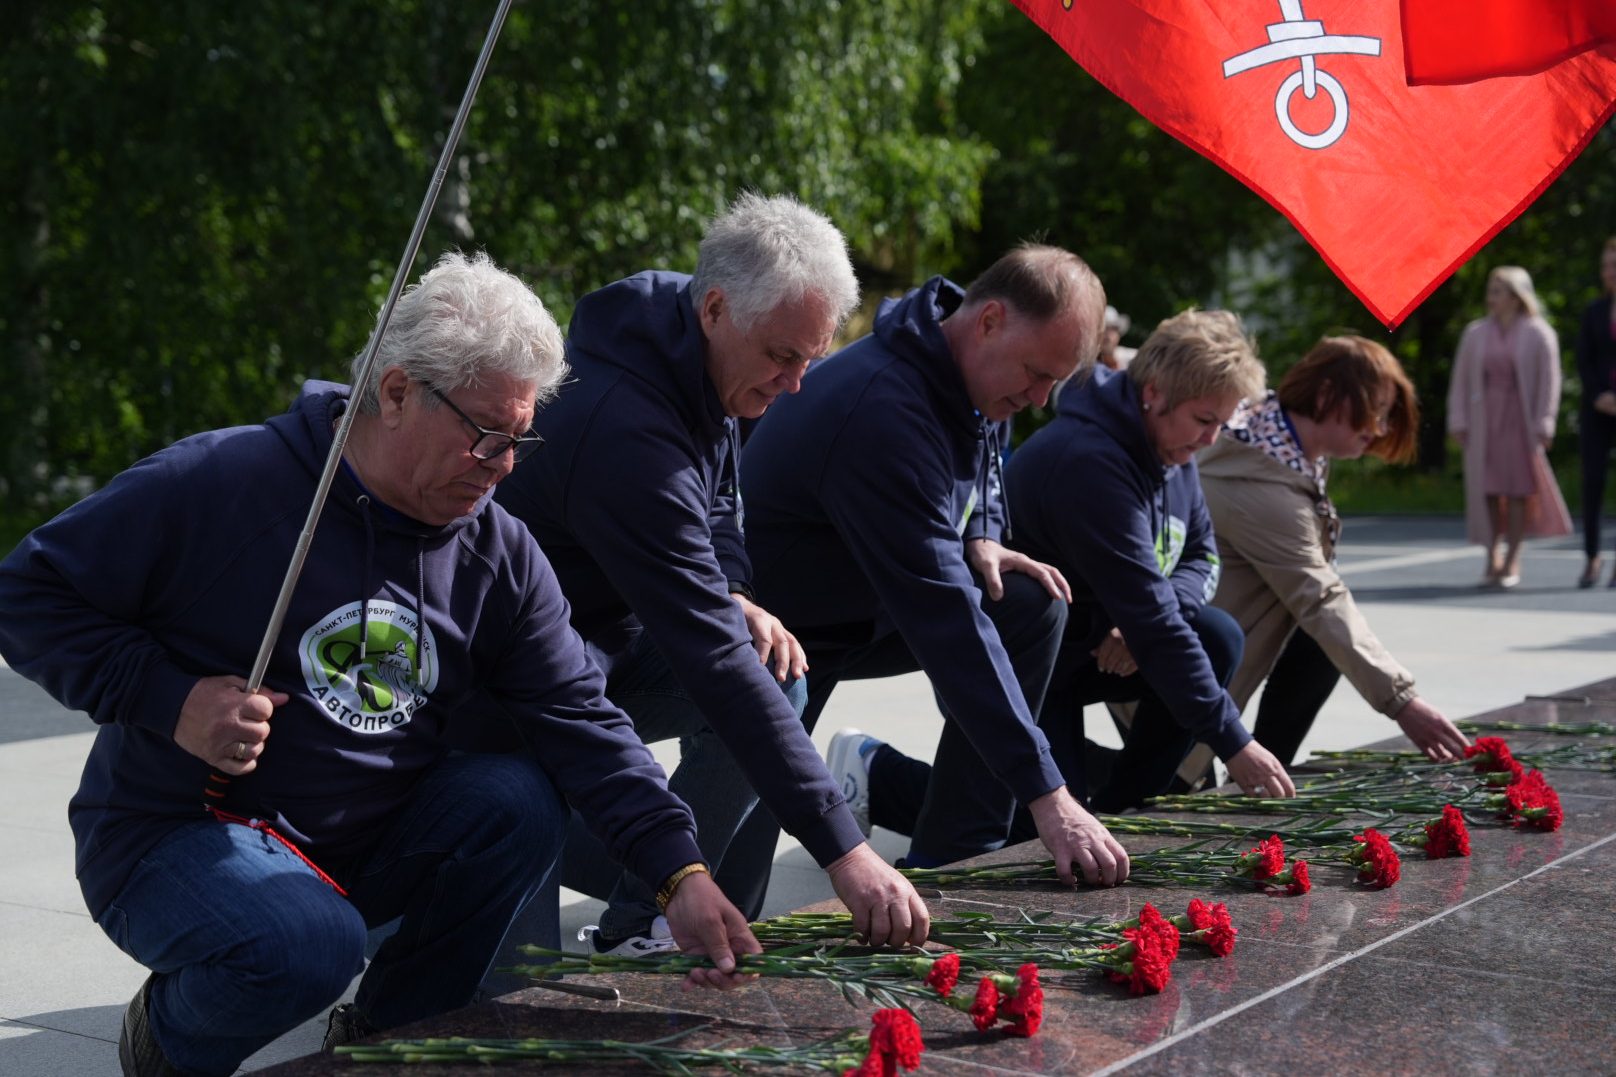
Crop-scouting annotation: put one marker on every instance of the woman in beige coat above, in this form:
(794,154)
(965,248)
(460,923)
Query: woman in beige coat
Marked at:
(1277,532)
(1502,404)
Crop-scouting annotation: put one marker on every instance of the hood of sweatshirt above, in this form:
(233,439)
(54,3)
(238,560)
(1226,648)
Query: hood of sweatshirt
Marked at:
(910,326)
(646,325)
(1110,400)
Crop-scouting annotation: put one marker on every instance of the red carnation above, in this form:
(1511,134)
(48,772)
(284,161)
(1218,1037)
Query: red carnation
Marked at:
(985,1010)
(1213,926)
(1294,879)
(1265,859)
(1531,801)
(1376,860)
(1154,922)
(1447,836)
(944,974)
(1491,754)
(1148,968)
(1026,1006)
(896,1039)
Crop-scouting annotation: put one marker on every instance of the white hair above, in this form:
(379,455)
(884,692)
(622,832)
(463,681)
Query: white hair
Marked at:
(762,252)
(466,319)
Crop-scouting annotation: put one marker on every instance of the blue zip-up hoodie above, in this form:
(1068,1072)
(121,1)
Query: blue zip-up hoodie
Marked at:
(860,493)
(167,575)
(1090,496)
(633,498)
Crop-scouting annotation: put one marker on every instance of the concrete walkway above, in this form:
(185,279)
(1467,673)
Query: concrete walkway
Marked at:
(64,986)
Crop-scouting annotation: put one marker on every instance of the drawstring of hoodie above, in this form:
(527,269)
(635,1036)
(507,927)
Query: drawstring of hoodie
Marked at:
(420,609)
(992,473)
(363,501)
(735,472)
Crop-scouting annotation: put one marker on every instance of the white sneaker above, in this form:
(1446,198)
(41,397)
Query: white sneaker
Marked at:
(659,941)
(848,760)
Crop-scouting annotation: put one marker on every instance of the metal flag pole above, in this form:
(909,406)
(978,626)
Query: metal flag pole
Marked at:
(300,553)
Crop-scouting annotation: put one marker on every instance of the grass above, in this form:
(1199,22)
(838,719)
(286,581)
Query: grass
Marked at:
(1371,488)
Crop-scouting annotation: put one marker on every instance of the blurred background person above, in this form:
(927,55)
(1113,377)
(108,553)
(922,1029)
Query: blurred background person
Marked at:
(1277,534)
(1596,430)
(1502,404)
(1113,356)
(1112,353)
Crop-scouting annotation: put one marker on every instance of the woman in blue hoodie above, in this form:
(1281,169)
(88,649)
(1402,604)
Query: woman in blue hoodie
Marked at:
(1108,494)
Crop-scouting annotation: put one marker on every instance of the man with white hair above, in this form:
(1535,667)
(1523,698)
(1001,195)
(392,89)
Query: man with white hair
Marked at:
(634,498)
(337,804)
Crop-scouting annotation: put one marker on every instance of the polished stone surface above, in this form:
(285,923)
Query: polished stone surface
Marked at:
(1500,963)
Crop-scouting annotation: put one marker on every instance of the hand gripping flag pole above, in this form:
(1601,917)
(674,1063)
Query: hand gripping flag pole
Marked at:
(339,439)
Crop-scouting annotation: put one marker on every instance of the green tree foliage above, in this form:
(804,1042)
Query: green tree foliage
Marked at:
(204,203)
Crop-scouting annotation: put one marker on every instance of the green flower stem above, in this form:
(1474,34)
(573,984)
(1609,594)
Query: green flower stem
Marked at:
(887,978)
(1559,757)
(1306,840)
(1191,865)
(1563,729)
(835,1054)
(971,931)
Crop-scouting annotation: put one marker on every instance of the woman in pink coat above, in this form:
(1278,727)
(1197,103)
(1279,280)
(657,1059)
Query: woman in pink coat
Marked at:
(1502,404)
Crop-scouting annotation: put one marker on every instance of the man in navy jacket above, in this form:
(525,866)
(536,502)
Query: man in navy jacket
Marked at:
(634,499)
(336,804)
(874,518)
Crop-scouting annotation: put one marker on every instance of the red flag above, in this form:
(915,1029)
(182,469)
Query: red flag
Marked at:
(1394,185)
(1447,41)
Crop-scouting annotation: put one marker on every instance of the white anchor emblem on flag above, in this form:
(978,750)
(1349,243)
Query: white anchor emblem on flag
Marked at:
(1298,38)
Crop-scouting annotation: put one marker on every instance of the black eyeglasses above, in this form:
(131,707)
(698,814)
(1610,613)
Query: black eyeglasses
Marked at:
(491,444)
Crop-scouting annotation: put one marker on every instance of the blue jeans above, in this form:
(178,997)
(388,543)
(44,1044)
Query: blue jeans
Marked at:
(248,943)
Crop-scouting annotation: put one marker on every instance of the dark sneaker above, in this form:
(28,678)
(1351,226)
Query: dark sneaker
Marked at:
(658,940)
(138,1053)
(346,1025)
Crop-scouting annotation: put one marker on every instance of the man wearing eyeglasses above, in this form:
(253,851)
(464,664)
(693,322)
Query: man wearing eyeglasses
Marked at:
(634,500)
(336,804)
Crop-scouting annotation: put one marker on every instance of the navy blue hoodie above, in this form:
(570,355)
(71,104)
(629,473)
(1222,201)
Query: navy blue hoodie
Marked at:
(1089,495)
(860,493)
(633,499)
(118,606)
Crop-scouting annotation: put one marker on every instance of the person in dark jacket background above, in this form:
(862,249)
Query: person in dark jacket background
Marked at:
(1596,428)
(1108,494)
(421,604)
(873,523)
(634,500)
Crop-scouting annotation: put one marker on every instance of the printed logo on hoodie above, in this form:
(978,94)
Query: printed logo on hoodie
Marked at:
(1170,545)
(381,687)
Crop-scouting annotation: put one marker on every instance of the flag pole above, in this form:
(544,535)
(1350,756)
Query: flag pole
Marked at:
(300,552)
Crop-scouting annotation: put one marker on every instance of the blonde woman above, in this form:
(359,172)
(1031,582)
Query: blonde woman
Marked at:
(1502,404)
(1277,530)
